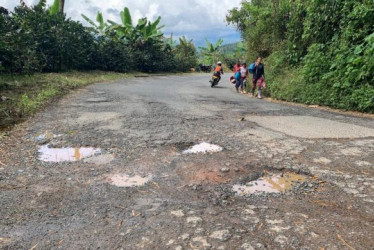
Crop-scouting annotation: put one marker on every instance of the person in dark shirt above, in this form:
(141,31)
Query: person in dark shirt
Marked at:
(258,73)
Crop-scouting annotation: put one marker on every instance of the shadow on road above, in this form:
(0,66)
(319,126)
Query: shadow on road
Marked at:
(219,87)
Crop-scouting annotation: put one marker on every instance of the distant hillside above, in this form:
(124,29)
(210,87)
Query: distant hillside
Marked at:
(229,48)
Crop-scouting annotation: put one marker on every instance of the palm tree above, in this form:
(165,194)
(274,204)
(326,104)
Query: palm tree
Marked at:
(211,50)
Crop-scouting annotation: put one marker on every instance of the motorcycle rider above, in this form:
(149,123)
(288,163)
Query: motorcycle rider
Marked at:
(218,71)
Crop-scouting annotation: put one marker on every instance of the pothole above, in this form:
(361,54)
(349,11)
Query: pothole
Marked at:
(97,99)
(203,148)
(279,183)
(48,154)
(123,180)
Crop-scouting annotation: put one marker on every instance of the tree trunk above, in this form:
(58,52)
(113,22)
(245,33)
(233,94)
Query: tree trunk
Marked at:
(62,5)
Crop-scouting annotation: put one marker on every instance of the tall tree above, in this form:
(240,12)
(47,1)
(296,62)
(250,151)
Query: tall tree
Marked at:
(62,6)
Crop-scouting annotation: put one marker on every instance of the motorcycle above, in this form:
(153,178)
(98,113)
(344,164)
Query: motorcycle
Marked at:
(215,79)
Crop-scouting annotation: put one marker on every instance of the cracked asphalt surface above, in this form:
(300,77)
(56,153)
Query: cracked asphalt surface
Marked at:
(142,126)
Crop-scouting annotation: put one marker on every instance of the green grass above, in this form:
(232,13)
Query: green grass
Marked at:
(26,94)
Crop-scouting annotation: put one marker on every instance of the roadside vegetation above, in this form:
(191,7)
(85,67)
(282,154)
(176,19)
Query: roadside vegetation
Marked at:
(316,52)
(43,54)
(23,95)
(42,39)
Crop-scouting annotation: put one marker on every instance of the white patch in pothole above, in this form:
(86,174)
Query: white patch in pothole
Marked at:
(171,242)
(322,160)
(184,237)
(123,180)
(222,235)
(203,148)
(48,154)
(363,163)
(177,213)
(270,184)
(274,221)
(353,151)
(279,229)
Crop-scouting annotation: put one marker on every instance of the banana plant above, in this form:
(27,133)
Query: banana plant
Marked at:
(211,51)
(186,47)
(101,27)
(170,41)
(42,4)
(143,32)
(55,7)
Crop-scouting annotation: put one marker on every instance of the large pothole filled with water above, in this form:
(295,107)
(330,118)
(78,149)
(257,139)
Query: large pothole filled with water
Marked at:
(271,184)
(49,154)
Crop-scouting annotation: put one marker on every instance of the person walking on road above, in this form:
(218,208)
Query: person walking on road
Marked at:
(258,74)
(243,78)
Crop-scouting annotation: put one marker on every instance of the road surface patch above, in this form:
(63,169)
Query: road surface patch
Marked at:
(123,180)
(311,127)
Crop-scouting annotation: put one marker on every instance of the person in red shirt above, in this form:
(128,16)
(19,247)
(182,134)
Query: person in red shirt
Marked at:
(236,67)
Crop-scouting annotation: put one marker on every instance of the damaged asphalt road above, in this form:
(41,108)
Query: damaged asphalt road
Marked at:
(113,166)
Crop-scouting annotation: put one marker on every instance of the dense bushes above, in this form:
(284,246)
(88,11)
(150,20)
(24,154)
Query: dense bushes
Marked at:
(320,52)
(113,56)
(36,39)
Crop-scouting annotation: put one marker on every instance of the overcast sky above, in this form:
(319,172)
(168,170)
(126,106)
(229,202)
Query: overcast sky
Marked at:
(196,19)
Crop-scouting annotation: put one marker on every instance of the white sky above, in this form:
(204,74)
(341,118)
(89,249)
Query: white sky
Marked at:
(194,18)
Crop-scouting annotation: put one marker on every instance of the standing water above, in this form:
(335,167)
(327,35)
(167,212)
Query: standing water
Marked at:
(269,184)
(48,154)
